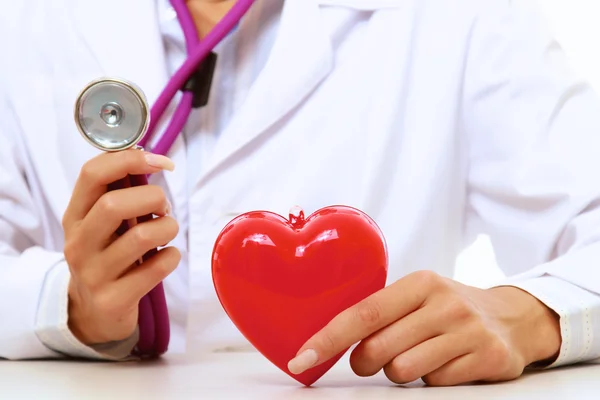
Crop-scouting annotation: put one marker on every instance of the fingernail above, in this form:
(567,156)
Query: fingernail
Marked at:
(169,208)
(303,361)
(159,161)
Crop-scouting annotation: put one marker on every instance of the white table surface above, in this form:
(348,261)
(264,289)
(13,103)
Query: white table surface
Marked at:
(250,376)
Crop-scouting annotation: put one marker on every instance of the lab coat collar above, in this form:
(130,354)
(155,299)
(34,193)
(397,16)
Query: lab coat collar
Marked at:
(125,39)
(302,56)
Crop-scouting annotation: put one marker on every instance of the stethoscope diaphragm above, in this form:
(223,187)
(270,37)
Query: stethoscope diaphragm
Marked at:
(112,114)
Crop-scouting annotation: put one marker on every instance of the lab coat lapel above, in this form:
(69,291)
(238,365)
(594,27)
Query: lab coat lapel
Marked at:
(125,39)
(300,59)
(128,44)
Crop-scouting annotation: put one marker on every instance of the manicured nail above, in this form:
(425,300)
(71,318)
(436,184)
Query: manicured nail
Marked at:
(169,208)
(159,161)
(303,361)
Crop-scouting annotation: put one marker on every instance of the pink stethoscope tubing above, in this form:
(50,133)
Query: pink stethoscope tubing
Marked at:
(153,320)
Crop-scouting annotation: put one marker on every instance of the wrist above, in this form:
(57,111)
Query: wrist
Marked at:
(91,327)
(536,328)
(75,319)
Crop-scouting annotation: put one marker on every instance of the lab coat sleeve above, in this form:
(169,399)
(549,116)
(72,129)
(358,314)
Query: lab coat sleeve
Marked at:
(33,275)
(23,265)
(533,132)
(52,323)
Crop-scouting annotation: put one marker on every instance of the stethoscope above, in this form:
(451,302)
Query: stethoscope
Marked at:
(112,114)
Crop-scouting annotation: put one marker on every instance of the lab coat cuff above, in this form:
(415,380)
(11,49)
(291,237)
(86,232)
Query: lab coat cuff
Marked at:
(52,323)
(579,312)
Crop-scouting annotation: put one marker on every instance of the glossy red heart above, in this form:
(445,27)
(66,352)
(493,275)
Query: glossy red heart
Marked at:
(281,281)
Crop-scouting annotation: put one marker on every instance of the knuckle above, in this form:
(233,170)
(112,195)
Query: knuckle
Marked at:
(89,171)
(72,252)
(167,264)
(142,237)
(374,349)
(436,379)
(428,279)
(401,370)
(368,312)
(108,203)
(325,342)
(165,267)
(65,221)
(458,308)
(157,194)
(176,256)
(498,354)
(172,227)
(328,341)
(161,270)
(153,196)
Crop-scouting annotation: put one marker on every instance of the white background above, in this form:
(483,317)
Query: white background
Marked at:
(577,29)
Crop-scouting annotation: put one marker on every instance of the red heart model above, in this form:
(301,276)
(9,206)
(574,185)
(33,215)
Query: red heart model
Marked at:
(281,281)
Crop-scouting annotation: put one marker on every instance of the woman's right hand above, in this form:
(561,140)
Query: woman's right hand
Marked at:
(106,285)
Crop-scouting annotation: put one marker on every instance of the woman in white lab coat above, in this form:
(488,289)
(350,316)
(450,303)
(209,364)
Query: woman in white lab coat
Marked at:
(440,119)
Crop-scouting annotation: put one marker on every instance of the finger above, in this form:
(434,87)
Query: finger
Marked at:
(427,357)
(363,319)
(136,242)
(117,206)
(104,169)
(468,368)
(374,352)
(492,363)
(138,282)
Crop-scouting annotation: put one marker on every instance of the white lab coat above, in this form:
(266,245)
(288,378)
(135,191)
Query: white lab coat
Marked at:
(440,119)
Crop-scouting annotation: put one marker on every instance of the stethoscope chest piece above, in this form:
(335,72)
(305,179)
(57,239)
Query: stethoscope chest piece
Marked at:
(112,114)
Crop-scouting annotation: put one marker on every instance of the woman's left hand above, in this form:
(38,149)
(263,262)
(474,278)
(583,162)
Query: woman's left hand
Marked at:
(429,327)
